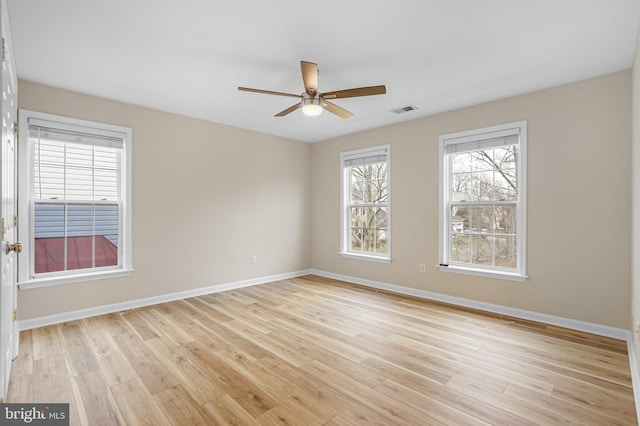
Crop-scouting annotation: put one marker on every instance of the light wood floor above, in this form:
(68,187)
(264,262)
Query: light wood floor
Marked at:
(312,351)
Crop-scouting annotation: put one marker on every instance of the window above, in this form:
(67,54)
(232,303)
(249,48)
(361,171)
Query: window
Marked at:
(365,204)
(482,201)
(75,202)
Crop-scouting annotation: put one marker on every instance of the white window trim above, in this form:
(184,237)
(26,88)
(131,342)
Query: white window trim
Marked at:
(519,273)
(345,218)
(25,281)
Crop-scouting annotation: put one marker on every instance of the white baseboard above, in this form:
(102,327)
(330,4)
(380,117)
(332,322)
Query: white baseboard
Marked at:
(601,330)
(138,303)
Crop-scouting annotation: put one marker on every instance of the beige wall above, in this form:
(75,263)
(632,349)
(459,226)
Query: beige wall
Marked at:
(205,198)
(578,202)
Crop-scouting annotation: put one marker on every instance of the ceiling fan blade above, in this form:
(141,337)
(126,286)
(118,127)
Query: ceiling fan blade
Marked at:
(310,77)
(288,110)
(333,108)
(359,91)
(268,92)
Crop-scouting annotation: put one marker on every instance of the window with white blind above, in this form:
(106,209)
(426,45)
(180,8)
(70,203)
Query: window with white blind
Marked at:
(75,199)
(365,204)
(483,201)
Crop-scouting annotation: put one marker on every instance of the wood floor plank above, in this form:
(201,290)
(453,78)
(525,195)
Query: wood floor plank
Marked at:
(227,411)
(317,351)
(168,330)
(208,305)
(341,360)
(151,371)
(226,336)
(248,393)
(522,409)
(180,408)
(194,323)
(53,379)
(137,405)
(46,342)
(115,367)
(280,416)
(334,342)
(456,362)
(136,321)
(376,401)
(115,324)
(300,404)
(349,408)
(193,380)
(94,400)
(72,334)
(576,413)
(431,407)
(80,359)
(198,309)
(265,341)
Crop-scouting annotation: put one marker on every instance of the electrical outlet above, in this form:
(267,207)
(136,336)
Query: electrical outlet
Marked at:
(254,259)
(423,267)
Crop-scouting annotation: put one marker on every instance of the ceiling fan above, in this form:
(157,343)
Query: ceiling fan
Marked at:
(313,102)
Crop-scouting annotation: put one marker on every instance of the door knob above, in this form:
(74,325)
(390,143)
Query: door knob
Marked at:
(17,247)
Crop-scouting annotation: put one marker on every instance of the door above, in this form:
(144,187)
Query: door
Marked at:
(10,247)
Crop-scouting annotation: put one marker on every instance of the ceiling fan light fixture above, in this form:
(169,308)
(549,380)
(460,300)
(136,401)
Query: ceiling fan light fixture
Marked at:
(311,106)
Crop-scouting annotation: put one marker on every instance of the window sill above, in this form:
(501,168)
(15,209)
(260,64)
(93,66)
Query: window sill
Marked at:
(512,276)
(70,279)
(369,258)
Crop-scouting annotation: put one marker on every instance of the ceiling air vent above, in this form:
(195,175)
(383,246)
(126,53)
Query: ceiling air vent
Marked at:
(404,109)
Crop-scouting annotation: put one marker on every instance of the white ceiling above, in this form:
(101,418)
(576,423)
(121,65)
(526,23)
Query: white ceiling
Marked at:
(189,56)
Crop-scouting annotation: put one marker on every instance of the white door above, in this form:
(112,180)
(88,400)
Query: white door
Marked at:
(10,247)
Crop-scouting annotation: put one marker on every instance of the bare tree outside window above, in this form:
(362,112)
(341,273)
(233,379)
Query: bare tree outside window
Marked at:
(484,196)
(369,208)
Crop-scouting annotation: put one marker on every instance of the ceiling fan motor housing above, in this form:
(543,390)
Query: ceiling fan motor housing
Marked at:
(311,105)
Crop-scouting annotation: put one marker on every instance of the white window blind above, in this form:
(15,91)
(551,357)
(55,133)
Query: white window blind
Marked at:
(482,142)
(71,165)
(359,158)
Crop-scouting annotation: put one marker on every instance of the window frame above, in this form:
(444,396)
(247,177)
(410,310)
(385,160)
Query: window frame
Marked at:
(345,198)
(444,246)
(26,278)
